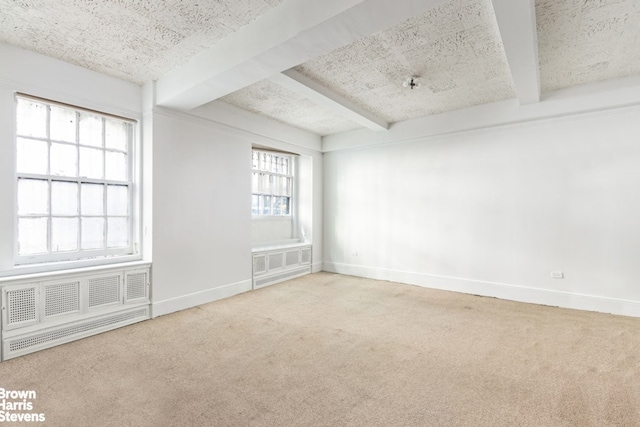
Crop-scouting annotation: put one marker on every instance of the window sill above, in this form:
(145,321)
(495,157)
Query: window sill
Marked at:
(279,245)
(36,271)
(271,217)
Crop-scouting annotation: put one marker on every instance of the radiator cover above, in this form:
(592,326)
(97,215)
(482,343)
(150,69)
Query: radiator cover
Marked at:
(56,309)
(277,264)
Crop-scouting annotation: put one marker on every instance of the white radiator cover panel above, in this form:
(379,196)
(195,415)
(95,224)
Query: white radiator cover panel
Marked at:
(48,311)
(274,265)
(49,337)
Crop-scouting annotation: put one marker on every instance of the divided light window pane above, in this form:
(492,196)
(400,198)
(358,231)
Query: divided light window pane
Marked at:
(116,166)
(33,197)
(116,135)
(64,160)
(91,163)
(90,130)
(64,198)
(118,232)
(92,199)
(92,233)
(32,236)
(31,119)
(255,204)
(32,156)
(255,182)
(63,124)
(117,200)
(64,234)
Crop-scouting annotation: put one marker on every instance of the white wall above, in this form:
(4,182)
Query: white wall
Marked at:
(272,230)
(202,203)
(201,212)
(494,211)
(269,133)
(196,172)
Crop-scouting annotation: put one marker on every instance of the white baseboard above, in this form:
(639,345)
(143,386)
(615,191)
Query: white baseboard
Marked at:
(317,267)
(497,290)
(160,308)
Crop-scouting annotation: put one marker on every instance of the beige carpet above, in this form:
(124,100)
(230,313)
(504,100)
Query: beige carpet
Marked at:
(331,350)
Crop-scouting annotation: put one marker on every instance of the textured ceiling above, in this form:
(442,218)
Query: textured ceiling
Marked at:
(133,40)
(583,41)
(456,50)
(287,106)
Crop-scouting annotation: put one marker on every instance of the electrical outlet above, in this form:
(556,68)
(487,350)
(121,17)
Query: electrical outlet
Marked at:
(557,275)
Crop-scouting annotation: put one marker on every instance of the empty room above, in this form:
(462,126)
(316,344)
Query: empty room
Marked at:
(320,213)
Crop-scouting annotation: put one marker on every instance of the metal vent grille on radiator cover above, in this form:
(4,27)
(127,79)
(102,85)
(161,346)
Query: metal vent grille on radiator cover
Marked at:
(292,258)
(22,305)
(305,256)
(269,280)
(259,264)
(136,285)
(61,298)
(47,337)
(104,290)
(276,261)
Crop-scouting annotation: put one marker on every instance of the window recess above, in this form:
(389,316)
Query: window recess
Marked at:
(272,184)
(74,183)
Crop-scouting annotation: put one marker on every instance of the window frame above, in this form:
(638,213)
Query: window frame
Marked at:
(80,257)
(292,176)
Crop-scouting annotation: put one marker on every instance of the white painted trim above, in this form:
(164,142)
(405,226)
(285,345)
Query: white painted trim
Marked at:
(285,36)
(46,271)
(294,243)
(265,46)
(232,130)
(317,267)
(493,289)
(22,72)
(517,24)
(325,97)
(160,308)
(488,130)
(277,135)
(594,98)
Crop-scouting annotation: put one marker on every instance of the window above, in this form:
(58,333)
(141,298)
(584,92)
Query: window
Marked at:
(74,183)
(272,184)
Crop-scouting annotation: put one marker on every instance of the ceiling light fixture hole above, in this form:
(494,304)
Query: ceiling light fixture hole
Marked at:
(411,82)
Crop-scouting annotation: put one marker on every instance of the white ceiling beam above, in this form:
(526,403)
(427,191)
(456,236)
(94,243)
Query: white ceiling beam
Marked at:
(517,23)
(321,95)
(288,35)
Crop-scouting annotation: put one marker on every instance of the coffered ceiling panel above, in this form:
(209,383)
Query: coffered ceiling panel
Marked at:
(289,107)
(454,50)
(583,41)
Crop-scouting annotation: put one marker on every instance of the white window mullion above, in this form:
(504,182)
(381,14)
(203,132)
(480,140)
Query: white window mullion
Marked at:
(49,221)
(79,214)
(50,182)
(105,216)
